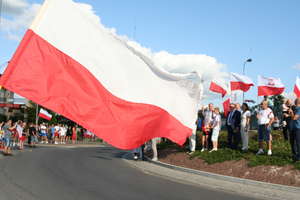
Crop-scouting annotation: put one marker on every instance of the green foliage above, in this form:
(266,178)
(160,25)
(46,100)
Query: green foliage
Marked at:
(277,101)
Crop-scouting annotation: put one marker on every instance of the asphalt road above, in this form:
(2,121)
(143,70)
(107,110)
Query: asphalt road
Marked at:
(88,174)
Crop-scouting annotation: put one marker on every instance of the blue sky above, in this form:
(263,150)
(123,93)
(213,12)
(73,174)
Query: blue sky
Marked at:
(268,31)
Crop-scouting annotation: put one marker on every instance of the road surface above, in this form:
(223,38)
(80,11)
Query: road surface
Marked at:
(88,174)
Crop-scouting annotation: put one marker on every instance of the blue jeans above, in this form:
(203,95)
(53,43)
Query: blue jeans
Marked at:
(7,142)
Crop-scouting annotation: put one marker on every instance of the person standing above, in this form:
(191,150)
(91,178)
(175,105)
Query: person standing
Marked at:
(32,139)
(192,138)
(69,134)
(238,107)
(245,126)
(295,134)
(43,129)
(7,128)
(62,134)
(74,135)
(287,119)
(207,127)
(265,118)
(216,127)
(233,123)
(56,133)
(20,133)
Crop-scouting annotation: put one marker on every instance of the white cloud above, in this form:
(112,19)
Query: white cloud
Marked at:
(18,15)
(297,66)
(14,7)
(208,68)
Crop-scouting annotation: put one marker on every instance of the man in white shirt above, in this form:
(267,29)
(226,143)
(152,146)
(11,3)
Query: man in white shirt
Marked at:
(265,119)
(43,130)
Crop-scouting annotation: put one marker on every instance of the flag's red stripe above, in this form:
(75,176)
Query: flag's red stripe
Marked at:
(44,116)
(217,88)
(267,91)
(226,105)
(47,76)
(297,91)
(240,86)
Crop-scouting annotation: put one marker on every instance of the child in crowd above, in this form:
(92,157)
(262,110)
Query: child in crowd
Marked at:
(216,127)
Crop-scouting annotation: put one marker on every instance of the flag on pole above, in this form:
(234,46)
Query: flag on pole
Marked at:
(70,64)
(268,86)
(297,87)
(240,82)
(44,114)
(226,106)
(214,87)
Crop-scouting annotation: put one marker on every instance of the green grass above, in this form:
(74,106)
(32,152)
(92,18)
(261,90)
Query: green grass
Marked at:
(281,151)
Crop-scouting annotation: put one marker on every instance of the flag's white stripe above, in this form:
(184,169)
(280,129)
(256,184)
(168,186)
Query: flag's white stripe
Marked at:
(42,111)
(298,82)
(120,71)
(241,78)
(265,81)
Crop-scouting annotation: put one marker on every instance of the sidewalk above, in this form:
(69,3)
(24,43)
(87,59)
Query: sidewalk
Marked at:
(255,189)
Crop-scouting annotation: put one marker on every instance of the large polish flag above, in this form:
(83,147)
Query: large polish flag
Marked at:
(69,64)
(297,87)
(44,114)
(269,86)
(240,82)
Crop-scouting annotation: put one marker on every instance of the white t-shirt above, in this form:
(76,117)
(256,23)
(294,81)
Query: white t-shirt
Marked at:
(208,117)
(244,117)
(56,128)
(217,122)
(19,130)
(43,129)
(63,131)
(264,116)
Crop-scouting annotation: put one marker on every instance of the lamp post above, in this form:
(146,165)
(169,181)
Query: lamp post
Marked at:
(248,60)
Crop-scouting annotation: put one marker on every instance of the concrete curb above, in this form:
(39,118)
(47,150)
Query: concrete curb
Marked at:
(228,184)
(227,178)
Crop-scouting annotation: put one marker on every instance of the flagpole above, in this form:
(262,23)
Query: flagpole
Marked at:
(37,115)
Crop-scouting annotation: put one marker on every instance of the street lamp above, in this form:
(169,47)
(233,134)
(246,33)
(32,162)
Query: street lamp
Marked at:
(248,60)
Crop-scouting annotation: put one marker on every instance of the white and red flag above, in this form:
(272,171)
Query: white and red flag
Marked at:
(226,107)
(268,86)
(240,82)
(214,87)
(297,87)
(69,63)
(45,114)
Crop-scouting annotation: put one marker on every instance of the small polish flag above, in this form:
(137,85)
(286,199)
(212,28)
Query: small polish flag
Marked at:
(44,114)
(240,82)
(297,87)
(268,86)
(226,105)
(214,87)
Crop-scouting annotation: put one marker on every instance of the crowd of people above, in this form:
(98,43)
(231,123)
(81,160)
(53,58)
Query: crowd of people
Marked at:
(14,135)
(237,123)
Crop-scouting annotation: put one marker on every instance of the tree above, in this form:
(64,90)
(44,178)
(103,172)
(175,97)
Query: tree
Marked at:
(277,102)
